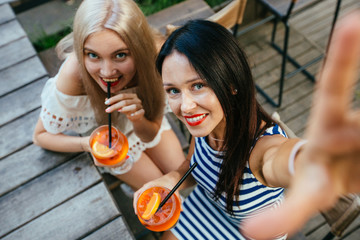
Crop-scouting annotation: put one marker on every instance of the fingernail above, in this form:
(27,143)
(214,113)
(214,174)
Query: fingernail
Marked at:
(107,110)
(107,102)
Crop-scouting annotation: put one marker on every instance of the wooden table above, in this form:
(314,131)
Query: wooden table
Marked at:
(43,194)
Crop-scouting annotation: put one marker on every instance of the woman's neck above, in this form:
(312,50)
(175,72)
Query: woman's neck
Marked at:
(215,143)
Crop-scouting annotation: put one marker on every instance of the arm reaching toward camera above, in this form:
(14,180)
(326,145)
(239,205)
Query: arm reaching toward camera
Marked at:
(328,165)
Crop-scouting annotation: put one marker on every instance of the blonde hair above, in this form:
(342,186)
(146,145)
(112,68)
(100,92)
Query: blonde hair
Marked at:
(125,18)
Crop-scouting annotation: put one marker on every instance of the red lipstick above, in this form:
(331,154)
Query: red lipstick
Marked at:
(196,119)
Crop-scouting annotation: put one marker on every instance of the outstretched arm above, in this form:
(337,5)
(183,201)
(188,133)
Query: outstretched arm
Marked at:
(329,164)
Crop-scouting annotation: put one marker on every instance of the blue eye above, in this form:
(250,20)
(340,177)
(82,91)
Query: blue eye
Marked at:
(172,91)
(198,86)
(92,55)
(121,55)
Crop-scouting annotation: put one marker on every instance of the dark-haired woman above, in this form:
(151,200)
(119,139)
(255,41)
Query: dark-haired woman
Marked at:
(244,158)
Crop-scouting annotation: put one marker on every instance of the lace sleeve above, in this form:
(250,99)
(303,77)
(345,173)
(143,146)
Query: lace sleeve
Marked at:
(61,112)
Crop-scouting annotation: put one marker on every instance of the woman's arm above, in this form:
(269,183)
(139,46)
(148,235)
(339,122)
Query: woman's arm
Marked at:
(172,178)
(274,161)
(59,142)
(130,105)
(146,130)
(329,164)
(269,160)
(69,83)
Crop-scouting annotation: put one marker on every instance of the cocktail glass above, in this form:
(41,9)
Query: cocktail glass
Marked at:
(166,217)
(116,157)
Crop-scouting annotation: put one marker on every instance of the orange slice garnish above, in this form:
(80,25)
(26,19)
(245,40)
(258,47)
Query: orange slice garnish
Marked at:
(102,151)
(152,206)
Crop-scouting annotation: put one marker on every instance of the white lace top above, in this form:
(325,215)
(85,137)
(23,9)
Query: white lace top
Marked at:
(61,112)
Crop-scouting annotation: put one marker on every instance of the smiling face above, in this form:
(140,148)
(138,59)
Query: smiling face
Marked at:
(190,98)
(108,59)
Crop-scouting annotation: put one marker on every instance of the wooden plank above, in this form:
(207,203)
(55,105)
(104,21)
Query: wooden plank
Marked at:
(18,133)
(46,192)
(353,230)
(6,13)
(21,74)
(179,13)
(24,165)
(15,52)
(20,102)
(73,219)
(354,235)
(116,229)
(11,31)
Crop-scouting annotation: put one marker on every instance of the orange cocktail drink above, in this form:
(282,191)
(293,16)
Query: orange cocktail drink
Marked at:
(166,217)
(114,157)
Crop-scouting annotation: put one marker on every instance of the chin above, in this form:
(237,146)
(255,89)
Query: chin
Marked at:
(197,133)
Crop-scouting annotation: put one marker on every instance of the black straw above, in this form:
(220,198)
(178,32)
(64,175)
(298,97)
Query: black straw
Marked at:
(177,186)
(109,95)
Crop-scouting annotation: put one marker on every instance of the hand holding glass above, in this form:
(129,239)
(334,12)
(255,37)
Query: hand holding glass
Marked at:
(116,157)
(155,219)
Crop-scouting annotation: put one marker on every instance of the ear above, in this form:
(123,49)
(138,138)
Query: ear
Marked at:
(234,91)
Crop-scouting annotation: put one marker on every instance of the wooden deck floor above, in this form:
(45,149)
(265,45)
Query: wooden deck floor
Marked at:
(308,39)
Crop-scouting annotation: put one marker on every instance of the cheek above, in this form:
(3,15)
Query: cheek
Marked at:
(128,67)
(175,106)
(91,67)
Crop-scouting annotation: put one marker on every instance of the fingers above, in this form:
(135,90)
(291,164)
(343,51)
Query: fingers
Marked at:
(135,199)
(334,89)
(128,104)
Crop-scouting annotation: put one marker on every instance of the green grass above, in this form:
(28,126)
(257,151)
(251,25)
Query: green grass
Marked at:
(48,41)
(147,6)
(152,6)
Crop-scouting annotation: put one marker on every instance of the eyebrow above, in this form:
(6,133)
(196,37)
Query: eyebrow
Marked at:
(188,81)
(119,50)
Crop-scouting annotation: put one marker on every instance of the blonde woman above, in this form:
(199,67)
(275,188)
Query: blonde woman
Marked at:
(111,42)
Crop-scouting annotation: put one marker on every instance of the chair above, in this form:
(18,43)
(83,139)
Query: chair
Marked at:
(345,211)
(281,11)
(230,16)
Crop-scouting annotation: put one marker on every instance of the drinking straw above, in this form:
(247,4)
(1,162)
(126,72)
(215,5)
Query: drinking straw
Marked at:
(109,95)
(177,186)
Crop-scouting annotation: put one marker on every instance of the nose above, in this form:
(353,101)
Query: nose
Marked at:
(188,102)
(107,69)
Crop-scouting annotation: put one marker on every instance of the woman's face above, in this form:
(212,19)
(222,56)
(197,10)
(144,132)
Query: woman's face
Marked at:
(191,100)
(108,59)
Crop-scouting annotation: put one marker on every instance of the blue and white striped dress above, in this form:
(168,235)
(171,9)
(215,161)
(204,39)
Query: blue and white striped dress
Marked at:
(205,218)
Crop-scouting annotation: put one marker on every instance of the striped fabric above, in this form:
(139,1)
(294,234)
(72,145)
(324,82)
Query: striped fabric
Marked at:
(203,217)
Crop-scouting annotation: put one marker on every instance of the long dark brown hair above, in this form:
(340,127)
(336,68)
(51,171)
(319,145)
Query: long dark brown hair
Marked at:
(218,59)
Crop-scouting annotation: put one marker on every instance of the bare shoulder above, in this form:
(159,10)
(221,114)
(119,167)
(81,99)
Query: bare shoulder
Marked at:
(69,81)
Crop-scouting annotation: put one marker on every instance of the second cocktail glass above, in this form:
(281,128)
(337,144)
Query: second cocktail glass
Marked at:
(164,218)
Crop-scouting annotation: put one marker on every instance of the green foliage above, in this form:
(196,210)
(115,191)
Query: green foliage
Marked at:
(48,41)
(152,6)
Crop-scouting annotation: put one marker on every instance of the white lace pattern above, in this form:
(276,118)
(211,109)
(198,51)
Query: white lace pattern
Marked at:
(61,112)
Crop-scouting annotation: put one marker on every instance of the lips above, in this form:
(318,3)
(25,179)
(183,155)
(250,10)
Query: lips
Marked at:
(196,119)
(112,81)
